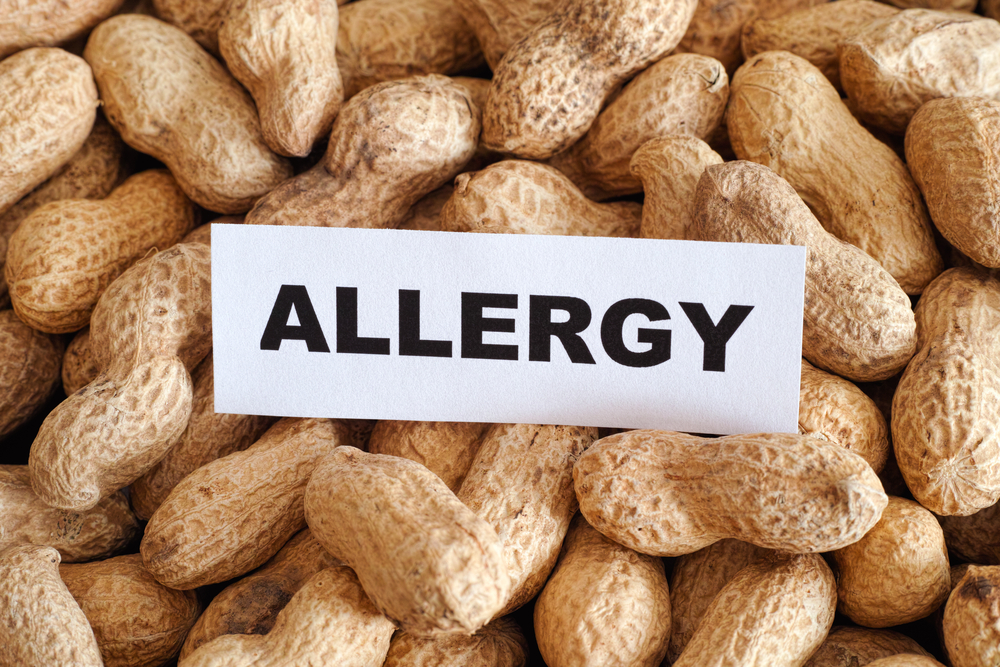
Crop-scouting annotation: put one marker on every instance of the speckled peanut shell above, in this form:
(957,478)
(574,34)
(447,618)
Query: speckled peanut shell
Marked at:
(382,40)
(150,327)
(902,61)
(668,494)
(550,86)
(424,558)
(864,194)
(898,572)
(29,371)
(233,514)
(906,660)
(856,647)
(330,621)
(498,24)
(669,168)
(776,611)
(523,197)
(48,22)
(498,644)
(390,145)
(946,409)
(284,52)
(169,98)
(41,625)
(603,605)
(976,537)
(953,150)
(716,26)
(78,366)
(250,606)
(137,621)
(521,483)
(77,536)
(65,254)
(833,409)
(696,579)
(682,94)
(49,105)
(857,321)
(208,436)
(972,619)
(445,448)
(813,33)
(199,18)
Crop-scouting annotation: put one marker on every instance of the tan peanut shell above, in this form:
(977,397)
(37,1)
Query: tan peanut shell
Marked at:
(946,406)
(78,366)
(445,448)
(604,604)
(856,647)
(669,168)
(250,606)
(681,94)
(716,26)
(898,63)
(898,572)
(149,328)
(49,105)
(208,436)
(863,195)
(523,197)
(382,40)
(41,625)
(776,611)
(521,483)
(952,148)
(65,254)
(426,213)
(668,494)
(199,18)
(48,22)
(976,537)
(137,621)
(499,24)
(813,33)
(329,621)
(498,644)
(169,98)
(550,86)
(29,371)
(424,558)
(906,660)
(835,410)
(284,52)
(233,514)
(857,321)
(696,579)
(390,145)
(78,536)
(972,618)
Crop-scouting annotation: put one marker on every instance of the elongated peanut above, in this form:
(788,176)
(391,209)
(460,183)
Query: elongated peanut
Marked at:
(667,494)
(445,448)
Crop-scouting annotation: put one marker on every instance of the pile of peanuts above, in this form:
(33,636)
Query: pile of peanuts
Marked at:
(140,528)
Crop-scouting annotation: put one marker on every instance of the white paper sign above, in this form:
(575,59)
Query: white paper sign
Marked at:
(438,326)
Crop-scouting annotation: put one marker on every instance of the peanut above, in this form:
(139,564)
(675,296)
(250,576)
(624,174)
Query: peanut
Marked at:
(498,644)
(445,448)
(853,647)
(29,371)
(972,618)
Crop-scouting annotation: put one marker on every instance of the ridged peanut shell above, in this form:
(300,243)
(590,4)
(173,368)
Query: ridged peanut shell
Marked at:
(498,644)
(137,621)
(680,94)
(523,197)
(41,625)
(48,22)
(972,619)
(857,321)
(668,494)
(199,18)
(976,537)
(898,63)
(49,105)
(445,448)
(424,558)
(906,660)
(498,24)
(78,536)
(65,254)
(946,408)
(78,366)
(170,99)
(855,647)
(864,194)
(233,514)
(604,604)
(30,362)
